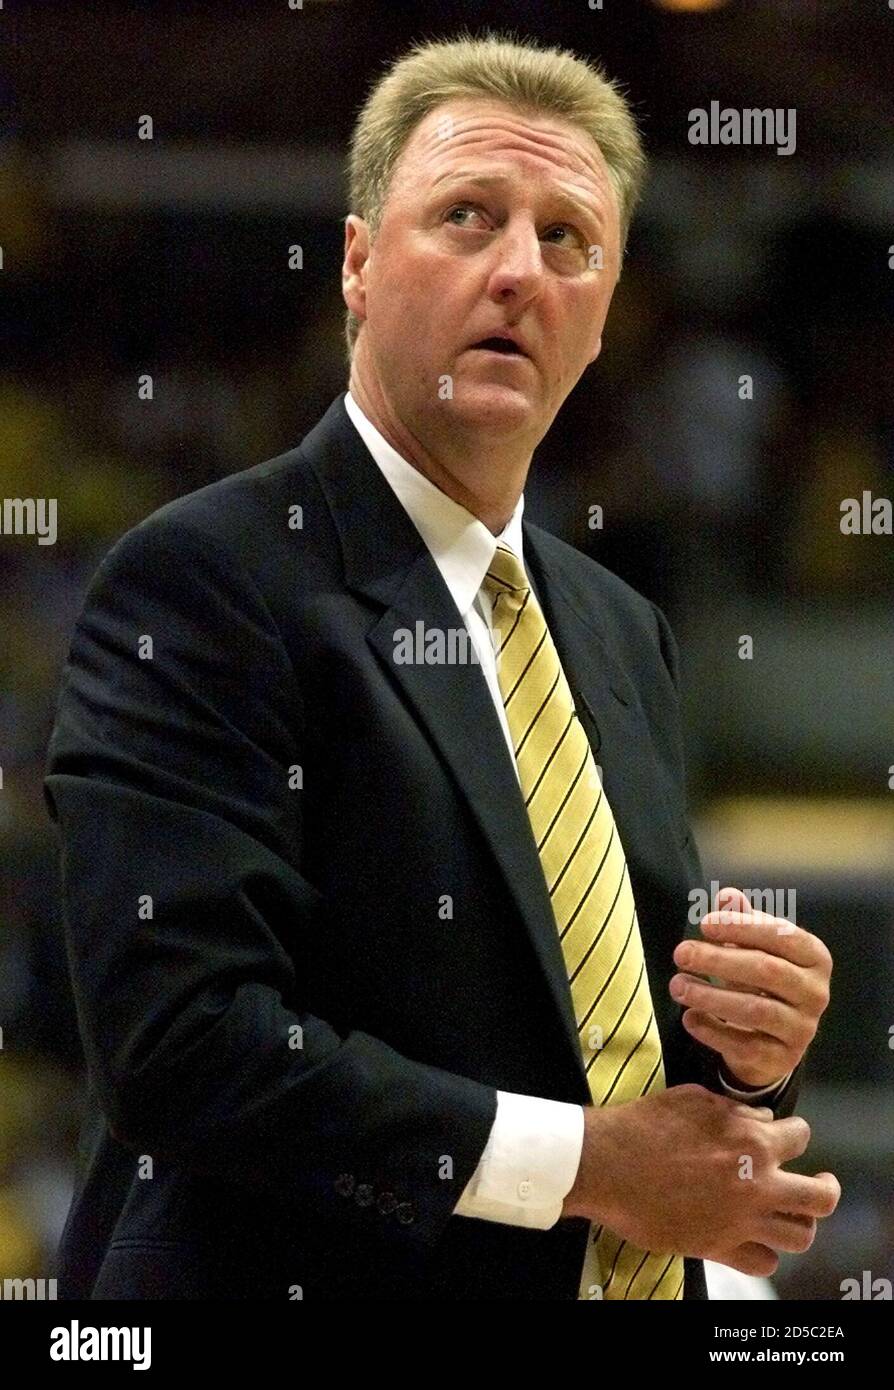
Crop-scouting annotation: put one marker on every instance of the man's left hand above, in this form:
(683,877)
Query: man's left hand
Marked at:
(777,977)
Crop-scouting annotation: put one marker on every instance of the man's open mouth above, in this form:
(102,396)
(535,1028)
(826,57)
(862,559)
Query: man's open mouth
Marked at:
(503,345)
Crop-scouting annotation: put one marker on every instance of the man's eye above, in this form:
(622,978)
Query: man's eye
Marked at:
(560,228)
(461,207)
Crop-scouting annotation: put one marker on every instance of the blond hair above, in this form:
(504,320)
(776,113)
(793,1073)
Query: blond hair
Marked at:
(548,81)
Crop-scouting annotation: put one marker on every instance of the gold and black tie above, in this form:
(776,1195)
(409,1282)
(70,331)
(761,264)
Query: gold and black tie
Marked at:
(589,886)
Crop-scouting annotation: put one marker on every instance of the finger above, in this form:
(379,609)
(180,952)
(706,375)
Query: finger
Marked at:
(789,1139)
(751,1258)
(741,1049)
(748,969)
(799,1194)
(833,1188)
(775,935)
(758,1012)
(794,1234)
(754,1112)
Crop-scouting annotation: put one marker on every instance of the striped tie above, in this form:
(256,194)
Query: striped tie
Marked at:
(589,886)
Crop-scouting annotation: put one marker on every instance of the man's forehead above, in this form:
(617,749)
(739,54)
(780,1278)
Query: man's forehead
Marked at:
(466,133)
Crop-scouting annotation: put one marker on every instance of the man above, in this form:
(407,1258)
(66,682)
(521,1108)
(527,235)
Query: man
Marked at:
(373,961)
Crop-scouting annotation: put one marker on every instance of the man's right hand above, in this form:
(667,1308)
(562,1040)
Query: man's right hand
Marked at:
(690,1172)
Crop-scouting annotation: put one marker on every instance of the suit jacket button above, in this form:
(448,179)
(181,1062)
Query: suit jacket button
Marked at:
(364,1195)
(405,1213)
(386,1203)
(344,1184)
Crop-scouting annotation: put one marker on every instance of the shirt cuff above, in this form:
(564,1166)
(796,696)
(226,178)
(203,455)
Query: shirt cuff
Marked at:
(758,1094)
(529,1163)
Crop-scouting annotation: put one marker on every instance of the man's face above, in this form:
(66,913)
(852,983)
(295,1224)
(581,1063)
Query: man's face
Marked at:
(494,222)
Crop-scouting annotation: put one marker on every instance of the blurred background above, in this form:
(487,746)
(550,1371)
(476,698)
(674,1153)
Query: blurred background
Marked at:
(170,256)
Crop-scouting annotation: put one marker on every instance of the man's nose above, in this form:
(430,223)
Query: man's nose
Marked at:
(518,265)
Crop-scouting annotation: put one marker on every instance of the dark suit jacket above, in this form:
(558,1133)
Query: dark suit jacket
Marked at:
(292,1056)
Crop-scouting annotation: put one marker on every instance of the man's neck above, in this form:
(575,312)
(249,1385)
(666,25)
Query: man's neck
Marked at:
(486,481)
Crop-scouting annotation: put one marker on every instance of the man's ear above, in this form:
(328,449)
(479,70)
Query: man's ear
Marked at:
(353,271)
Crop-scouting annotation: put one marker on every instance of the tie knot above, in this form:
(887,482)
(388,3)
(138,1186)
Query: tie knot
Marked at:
(505,574)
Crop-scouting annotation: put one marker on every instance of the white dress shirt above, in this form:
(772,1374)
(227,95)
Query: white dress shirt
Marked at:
(533,1153)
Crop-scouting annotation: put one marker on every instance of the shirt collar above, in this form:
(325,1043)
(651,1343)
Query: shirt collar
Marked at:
(461,545)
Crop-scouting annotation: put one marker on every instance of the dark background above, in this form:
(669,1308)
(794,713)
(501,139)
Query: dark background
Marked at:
(170,257)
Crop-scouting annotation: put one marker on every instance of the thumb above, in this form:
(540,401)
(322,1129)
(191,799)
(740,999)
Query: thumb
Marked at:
(731,900)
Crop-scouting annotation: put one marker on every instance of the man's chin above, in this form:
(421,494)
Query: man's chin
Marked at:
(493,405)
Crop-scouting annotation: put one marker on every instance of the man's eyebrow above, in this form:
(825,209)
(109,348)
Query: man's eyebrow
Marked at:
(467,176)
(500,181)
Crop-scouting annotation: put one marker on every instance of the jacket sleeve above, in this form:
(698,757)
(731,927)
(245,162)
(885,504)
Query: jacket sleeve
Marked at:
(171,773)
(706,1060)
